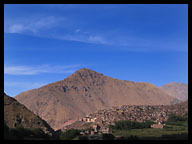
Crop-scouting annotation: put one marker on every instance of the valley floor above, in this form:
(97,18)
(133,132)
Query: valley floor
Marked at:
(173,132)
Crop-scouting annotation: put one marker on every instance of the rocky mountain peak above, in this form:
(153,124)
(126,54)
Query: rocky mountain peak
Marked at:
(84,72)
(85,92)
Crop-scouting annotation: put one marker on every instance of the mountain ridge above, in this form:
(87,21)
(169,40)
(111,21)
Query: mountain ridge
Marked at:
(177,90)
(85,92)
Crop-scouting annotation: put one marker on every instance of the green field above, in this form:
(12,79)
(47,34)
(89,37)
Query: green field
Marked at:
(171,131)
(176,127)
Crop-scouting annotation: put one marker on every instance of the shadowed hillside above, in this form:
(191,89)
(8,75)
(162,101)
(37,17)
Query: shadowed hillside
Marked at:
(17,115)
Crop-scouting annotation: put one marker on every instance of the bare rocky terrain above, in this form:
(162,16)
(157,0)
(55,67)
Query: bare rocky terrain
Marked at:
(17,115)
(177,90)
(85,92)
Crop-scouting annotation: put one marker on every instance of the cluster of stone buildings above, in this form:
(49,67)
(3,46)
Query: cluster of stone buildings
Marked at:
(101,120)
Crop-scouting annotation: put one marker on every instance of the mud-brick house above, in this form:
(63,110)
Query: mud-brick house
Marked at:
(160,126)
(96,127)
(104,130)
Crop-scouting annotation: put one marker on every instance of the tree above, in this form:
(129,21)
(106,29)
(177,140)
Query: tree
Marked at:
(126,125)
(70,134)
(177,120)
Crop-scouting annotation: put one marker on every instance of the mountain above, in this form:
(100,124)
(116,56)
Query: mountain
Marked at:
(16,114)
(177,90)
(85,92)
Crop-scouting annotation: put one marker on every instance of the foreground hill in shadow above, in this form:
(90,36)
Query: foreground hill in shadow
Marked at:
(17,115)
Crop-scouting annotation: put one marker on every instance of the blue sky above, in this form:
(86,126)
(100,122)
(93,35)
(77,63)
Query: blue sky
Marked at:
(47,43)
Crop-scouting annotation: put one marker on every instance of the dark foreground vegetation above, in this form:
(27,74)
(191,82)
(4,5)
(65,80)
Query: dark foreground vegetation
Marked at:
(20,133)
(175,128)
(70,134)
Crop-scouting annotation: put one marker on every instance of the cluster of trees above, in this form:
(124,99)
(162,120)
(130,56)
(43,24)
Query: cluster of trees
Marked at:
(70,134)
(20,133)
(177,120)
(126,125)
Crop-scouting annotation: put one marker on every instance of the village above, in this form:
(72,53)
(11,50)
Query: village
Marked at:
(99,122)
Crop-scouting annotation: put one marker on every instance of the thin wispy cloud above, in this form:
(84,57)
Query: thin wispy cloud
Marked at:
(60,25)
(85,38)
(39,69)
(33,25)
(41,27)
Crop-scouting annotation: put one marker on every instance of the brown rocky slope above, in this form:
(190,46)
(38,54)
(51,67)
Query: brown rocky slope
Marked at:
(16,114)
(86,92)
(177,90)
